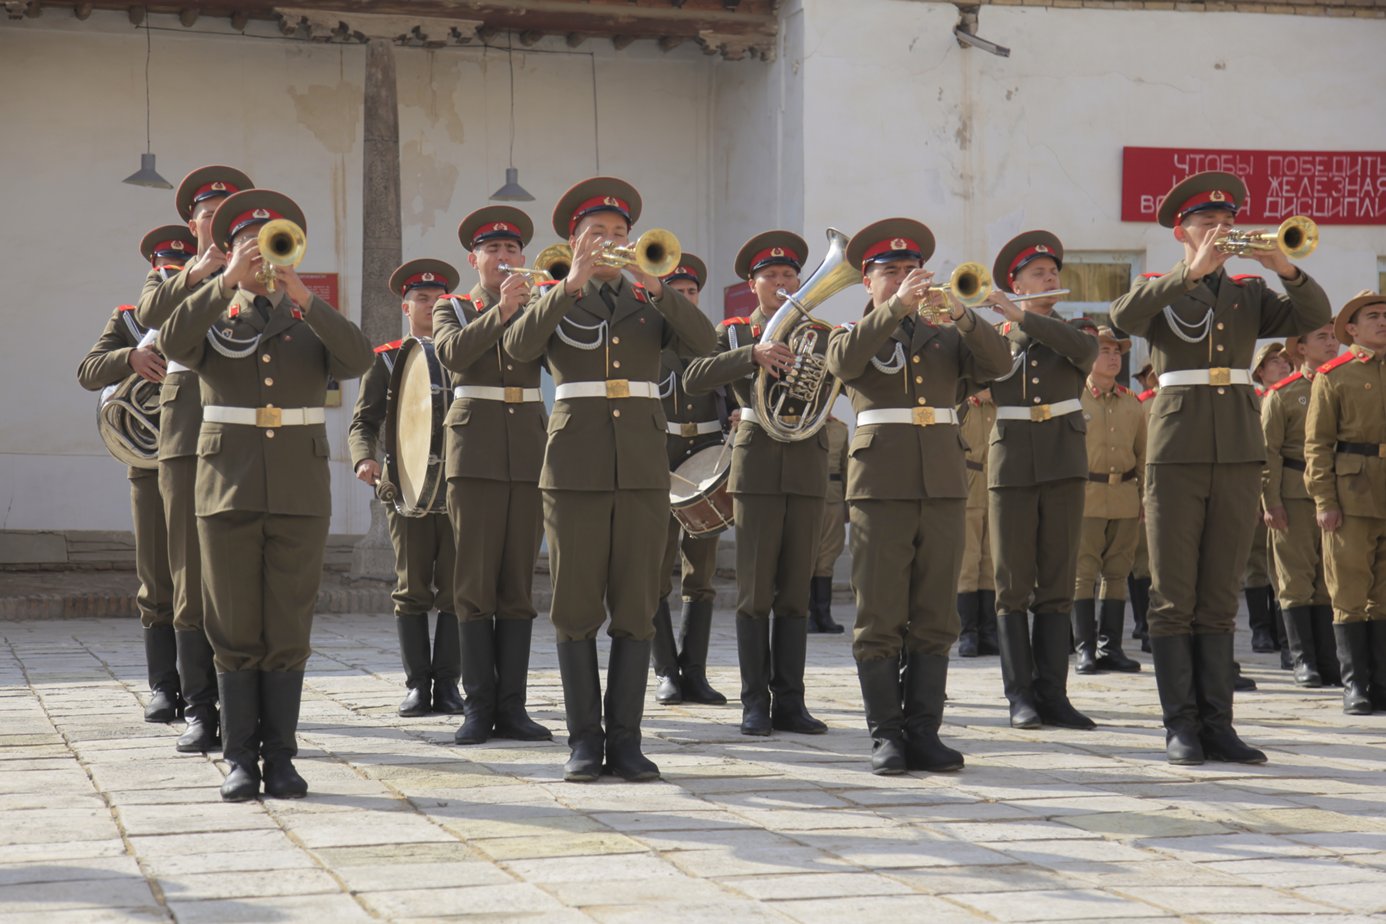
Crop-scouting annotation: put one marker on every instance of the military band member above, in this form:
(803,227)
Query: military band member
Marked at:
(1036,475)
(425,552)
(1345,461)
(907,486)
(1269,365)
(777,497)
(977,580)
(605,478)
(1205,452)
(695,423)
(832,539)
(495,446)
(180,420)
(1111,510)
(263,491)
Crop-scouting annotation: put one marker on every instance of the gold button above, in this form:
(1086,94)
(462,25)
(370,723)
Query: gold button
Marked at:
(1221,325)
(1367,385)
(269,434)
(1035,380)
(921,401)
(616,413)
(615,341)
(1037,400)
(1221,347)
(510,410)
(916,359)
(1222,391)
(1034,362)
(509,367)
(265,358)
(269,381)
(919,380)
(616,363)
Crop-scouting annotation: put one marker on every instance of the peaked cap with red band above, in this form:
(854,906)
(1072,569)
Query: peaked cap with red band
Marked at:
(252,207)
(1022,250)
(208,183)
(169,242)
(1210,190)
(891,239)
(495,222)
(423,273)
(595,194)
(690,267)
(770,248)
(1356,303)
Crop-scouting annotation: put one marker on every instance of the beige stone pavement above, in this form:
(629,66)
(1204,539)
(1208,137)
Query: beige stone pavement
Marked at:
(101,821)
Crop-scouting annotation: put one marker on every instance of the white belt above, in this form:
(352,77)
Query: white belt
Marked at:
(510,394)
(1218,376)
(918,416)
(611,388)
(1039,411)
(264,416)
(694,429)
(172,366)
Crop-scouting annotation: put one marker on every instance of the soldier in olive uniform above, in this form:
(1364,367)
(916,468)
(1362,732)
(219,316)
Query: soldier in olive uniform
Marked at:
(180,420)
(777,498)
(1036,475)
(695,423)
(424,549)
(1204,453)
(1269,365)
(263,492)
(833,537)
(907,486)
(125,348)
(605,479)
(495,446)
(1138,584)
(977,580)
(1111,510)
(1345,471)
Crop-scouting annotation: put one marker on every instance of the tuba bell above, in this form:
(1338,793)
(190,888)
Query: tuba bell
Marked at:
(127,418)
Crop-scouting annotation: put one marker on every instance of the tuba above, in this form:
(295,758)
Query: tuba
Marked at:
(809,383)
(127,417)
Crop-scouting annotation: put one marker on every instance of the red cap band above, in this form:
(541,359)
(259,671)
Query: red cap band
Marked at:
(249,218)
(890,245)
(599,204)
(419,280)
(1028,254)
(496,229)
(683,271)
(774,255)
(178,247)
(214,188)
(1213,197)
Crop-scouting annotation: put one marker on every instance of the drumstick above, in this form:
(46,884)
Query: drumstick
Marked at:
(685,480)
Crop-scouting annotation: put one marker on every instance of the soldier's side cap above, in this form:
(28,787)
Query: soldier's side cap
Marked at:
(1265,352)
(495,222)
(1355,304)
(891,239)
(1106,335)
(770,248)
(252,207)
(208,183)
(595,194)
(690,267)
(1209,190)
(169,242)
(1022,250)
(423,273)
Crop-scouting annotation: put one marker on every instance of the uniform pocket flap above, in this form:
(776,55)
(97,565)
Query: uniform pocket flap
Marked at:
(1167,404)
(1349,463)
(558,420)
(208,444)
(860,440)
(320,447)
(459,416)
(168,393)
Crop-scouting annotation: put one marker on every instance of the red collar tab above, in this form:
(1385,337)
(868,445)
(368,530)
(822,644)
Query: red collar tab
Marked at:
(641,294)
(755,331)
(599,204)
(1242,277)
(1145,395)
(1028,254)
(898,248)
(213,189)
(1212,198)
(775,255)
(496,229)
(1292,377)
(125,308)
(246,219)
(422,280)
(233,312)
(387,347)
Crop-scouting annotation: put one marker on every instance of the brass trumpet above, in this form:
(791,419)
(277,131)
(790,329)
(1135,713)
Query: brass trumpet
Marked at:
(970,282)
(556,259)
(1296,237)
(656,253)
(534,274)
(282,243)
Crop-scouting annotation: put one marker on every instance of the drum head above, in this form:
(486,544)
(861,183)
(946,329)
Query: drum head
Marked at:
(414,428)
(699,473)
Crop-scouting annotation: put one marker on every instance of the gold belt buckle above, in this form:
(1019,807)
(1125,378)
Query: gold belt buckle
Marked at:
(688,430)
(923,416)
(1040,412)
(1381,450)
(618,388)
(269,417)
(514,394)
(1220,376)
(1115,478)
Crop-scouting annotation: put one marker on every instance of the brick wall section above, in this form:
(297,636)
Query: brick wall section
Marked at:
(1365,9)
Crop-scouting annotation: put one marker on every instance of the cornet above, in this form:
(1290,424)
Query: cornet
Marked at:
(1296,237)
(656,253)
(534,274)
(970,282)
(282,243)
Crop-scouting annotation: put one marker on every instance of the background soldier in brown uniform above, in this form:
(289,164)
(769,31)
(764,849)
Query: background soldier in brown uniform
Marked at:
(263,490)
(1345,459)
(834,535)
(907,487)
(1295,539)
(1111,510)
(1204,454)
(495,445)
(1036,475)
(695,422)
(605,478)
(180,420)
(977,579)
(1269,365)
(777,497)
(424,548)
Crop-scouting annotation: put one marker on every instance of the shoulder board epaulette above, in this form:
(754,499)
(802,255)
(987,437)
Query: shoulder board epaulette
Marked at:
(1242,277)
(847,325)
(1292,377)
(730,321)
(1123,390)
(546,284)
(453,295)
(1342,360)
(1007,326)
(1151,275)
(125,308)
(387,347)
(1145,395)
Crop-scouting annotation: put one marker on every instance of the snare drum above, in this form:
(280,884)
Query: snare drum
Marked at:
(698,495)
(415,406)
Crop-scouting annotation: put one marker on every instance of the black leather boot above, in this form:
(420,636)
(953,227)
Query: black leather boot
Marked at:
(1085,636)
(1376,647)
(821,607)
(788,653)
(1139,591)
(627,674)
(240,738)
(693,641)
(1354,656)
(885,716)
(969,611)
(1299,635)
(1326,645)
(753,654)
(413,651)
(582,705)
(281,692)
(1050,643)
(478,640)
(986,623)
(1018,668)
(161,659)
(1258,608)
(1174,679)
(1282,643)
(1241,682)
(513,638)
(1110,657)
(664,658)
(197,676)
(926,683)
(447,665)
(1216,673)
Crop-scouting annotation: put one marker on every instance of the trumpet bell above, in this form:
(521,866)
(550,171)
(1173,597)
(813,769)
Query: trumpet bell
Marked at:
(971,283)
(656,253)
(556,260)
(282,243)
(1297,237)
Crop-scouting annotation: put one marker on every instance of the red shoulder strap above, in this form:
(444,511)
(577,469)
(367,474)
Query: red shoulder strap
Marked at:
(730,321)
(1151,275)
(1242,277)
(1145,395)
(1341,360)
(1292,377)
(387,347)
(452,295)
(1123,390)
(125,308)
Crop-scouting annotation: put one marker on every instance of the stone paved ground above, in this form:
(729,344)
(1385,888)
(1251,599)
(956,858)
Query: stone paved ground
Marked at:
(101,821)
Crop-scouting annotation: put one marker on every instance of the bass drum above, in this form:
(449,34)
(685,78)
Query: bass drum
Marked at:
(414,409)
(698,495)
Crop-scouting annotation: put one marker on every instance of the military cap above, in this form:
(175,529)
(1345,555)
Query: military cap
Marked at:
(595,194)
(423,273)
(1210,190)
(208,182)
(1265,352)
(1020,251)
(690,267)
(1106,335)
(251,207)
(169,242)
(891,239)
(1148,368)
(770,248)
(495,222)
(1355,304)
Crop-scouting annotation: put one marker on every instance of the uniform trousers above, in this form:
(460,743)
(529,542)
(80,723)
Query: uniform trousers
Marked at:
(177,484)
(496,527)
(699,564)
(1355,568)
(1297,553)
(154,600)
(776,541)
(425,556)
(832,539)
(977,571)
(1106,552)
(1034,544)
